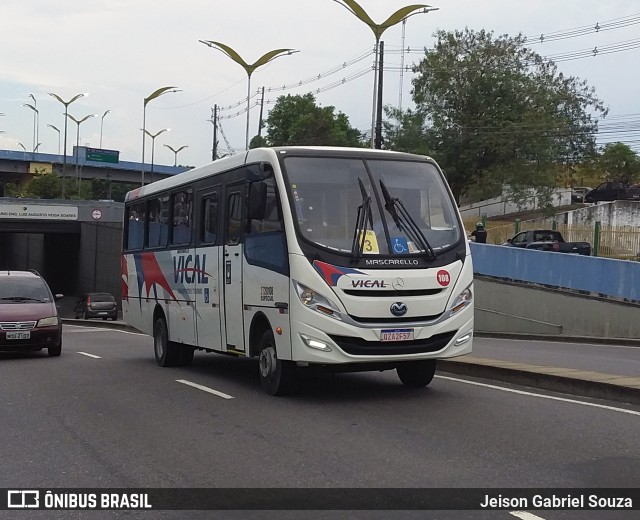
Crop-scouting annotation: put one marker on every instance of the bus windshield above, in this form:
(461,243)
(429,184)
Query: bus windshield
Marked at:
(411,210)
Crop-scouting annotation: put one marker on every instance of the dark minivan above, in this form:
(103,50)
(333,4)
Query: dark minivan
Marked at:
(97,305)
(28,315)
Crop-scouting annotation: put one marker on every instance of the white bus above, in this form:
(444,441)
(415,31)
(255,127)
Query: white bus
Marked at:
(338,259)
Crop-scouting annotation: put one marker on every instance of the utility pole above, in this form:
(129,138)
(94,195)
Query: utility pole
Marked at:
(261,112)
(378,139)
(214,143)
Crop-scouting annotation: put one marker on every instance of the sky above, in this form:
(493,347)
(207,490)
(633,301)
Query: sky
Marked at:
(120,51)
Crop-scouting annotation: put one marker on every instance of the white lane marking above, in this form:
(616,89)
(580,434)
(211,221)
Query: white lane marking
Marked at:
(89,355)
(204,388)
(541,396)
(80,328)
(523,515)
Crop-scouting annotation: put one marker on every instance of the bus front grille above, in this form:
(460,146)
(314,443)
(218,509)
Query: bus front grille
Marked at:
(361,347)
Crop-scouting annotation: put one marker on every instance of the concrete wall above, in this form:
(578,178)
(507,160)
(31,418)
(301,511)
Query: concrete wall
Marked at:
(524,309)
(99,262)
(502,205)
(26,251)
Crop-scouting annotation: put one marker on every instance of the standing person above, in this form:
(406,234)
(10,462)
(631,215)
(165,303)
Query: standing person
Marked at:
(479,234)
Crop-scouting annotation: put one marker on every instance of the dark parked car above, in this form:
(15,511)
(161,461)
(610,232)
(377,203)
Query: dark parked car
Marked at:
(610,191)
(548,240)
(28,314)
(97,305)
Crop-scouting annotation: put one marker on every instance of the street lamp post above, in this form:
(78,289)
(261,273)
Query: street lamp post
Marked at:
(153,144)
(150,97)
(249,68)
(36,117)
(64,156)
(175,162)
(102,125)
(378,29)
(57,130)
(78,122)
(404,28)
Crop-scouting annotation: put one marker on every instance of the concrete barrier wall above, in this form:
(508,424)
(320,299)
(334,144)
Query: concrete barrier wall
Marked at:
(605,277)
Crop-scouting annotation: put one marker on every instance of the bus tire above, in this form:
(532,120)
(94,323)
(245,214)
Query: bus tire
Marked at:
(277,376)
(167,352)
(186,355)
(416,374)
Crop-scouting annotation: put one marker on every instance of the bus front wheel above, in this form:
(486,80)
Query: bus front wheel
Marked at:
(167,352)
(276,375)
(416,374)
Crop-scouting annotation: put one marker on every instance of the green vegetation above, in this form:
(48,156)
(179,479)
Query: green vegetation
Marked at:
(494,113)
(49,186)
(298,120)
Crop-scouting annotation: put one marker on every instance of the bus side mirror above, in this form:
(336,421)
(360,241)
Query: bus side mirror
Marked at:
(257,200)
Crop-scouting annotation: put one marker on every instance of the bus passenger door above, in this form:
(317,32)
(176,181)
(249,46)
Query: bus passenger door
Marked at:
(232,267)
(208,300)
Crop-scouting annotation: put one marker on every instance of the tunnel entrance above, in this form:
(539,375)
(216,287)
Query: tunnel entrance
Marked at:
(54,255)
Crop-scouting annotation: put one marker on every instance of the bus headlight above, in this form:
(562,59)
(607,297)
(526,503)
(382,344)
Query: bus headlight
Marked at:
(316,301)
(462,300)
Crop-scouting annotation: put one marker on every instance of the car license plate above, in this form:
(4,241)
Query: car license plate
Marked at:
(396,335)
(102,312)
(19,335)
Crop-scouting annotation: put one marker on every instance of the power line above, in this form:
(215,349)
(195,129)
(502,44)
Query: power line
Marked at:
(616,23)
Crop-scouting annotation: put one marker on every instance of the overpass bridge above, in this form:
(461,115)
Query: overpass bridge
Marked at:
(92,164)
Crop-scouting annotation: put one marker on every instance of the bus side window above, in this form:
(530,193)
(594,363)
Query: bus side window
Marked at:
(272,220)
(265,243)
(136,217)
(234,218)
(182,211)
(210,219)
(158,222)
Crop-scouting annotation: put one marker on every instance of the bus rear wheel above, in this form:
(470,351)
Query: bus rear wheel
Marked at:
(277,376)
(167,352)
(416,374)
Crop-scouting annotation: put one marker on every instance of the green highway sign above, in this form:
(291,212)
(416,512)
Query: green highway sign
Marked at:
(105,156)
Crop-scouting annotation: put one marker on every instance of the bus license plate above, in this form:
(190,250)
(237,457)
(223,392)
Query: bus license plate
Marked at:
(396,335)
(19,335)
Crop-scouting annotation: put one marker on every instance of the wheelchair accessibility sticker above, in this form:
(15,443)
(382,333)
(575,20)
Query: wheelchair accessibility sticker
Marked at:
(400,245)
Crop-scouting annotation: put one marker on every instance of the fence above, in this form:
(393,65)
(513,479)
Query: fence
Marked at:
(619,242)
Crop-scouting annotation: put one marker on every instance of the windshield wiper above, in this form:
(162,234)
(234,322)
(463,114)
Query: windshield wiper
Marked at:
(405,221)
(23,299)
(364,215)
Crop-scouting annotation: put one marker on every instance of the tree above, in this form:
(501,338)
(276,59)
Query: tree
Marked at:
(618,161)
(297,120)
(47,186)
(494,112)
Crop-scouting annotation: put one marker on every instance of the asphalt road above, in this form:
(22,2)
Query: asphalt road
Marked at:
(104,414)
